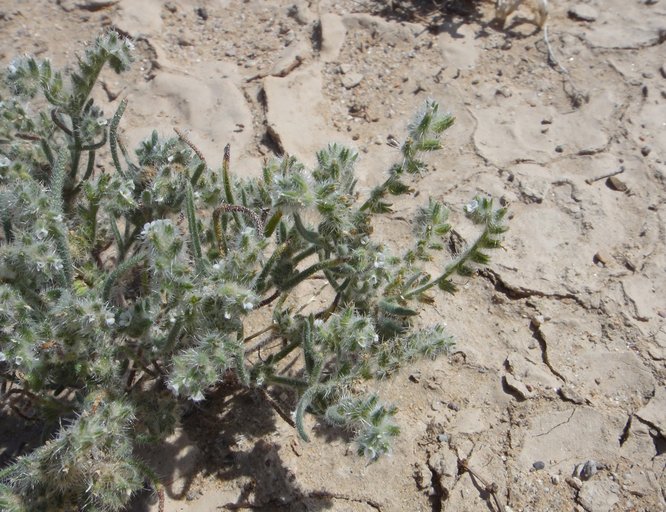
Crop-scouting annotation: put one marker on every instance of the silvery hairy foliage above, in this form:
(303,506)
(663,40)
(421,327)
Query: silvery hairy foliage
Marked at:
(127,293)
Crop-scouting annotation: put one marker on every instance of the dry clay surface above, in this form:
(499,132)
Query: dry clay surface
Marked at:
(555,396)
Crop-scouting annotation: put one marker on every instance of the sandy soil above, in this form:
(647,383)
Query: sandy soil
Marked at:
(561,342)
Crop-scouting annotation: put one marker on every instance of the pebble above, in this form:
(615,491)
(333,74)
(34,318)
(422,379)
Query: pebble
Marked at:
(559,148)
(616,184)
(453,406)
(574,482)
(583,12)
(443,438)
(202,13)
(662,70)
(538,465)
(568,393)
(537,321)
(646,150)
(352,80)
(587,470)
(436,405)
(555,479)
(601,257)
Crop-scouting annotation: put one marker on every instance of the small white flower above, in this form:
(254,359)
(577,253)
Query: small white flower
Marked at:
(18,360)
(172,319)
(198,397)
(170,158)
(227,315)
(41,233)
(102,122)
(248,306)
(472,206)
(318,322)
(216,266)
(58,218)
(4,161)
(3,357)
(110,321)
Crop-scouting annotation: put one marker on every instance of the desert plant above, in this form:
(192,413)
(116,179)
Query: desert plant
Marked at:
(124,294)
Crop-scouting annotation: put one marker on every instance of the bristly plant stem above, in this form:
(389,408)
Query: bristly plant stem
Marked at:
(60,230)
(113,136)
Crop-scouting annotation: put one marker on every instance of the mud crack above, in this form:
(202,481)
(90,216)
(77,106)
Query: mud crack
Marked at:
(519,292)
(573,411)
(439,494)
(543,344)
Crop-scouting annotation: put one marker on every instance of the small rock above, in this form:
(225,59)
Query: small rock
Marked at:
(537,321)
(616,183)
(202,13)
(453,406)
(183,41)
(443,438)
(555,479)
(504,91)
(415,377)
(351,80)
(345,68)
(289,59)
(574,482)
(559,148)
(436,405)
(538,465)
(601,258)
(547,120)
(662,70)
(568,394)
(646,150)
(583,12)
(587,470)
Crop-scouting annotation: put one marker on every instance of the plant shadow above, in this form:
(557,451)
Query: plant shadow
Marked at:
(449,16)
(225,437)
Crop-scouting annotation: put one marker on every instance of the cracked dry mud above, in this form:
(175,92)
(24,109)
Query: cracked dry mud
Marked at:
(561,342)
